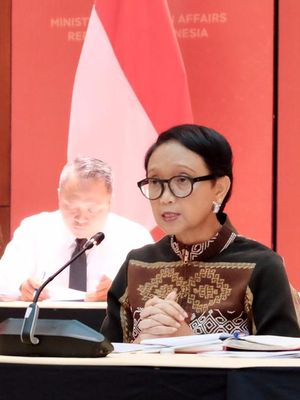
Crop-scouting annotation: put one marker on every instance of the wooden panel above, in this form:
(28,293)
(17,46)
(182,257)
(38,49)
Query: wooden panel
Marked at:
(289,138)
(5,104)
(4,227)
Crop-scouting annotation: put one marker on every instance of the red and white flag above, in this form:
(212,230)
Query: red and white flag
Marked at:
(130,85)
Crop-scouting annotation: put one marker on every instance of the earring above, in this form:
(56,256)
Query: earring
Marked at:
(216,207)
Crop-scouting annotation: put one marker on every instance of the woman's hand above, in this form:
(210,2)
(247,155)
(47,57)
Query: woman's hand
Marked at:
(162,318)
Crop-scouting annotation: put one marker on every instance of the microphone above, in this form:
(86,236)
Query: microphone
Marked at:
(93,241)
(70,338)
(32,312)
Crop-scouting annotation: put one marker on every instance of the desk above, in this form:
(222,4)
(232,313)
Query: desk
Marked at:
(89,313)
(149,376)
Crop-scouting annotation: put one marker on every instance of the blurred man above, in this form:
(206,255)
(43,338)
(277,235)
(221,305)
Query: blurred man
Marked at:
(46,241)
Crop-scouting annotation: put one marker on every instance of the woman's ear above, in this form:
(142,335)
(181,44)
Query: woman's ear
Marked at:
(222,187)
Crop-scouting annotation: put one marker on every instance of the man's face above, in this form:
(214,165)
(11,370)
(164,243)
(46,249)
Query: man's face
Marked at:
(84,204)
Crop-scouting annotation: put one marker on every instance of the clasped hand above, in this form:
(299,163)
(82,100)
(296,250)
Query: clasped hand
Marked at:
(163,318)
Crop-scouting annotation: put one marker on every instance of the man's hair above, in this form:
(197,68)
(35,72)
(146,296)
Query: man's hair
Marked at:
(87,168)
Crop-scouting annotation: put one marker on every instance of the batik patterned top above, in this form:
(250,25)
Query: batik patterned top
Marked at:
(227,284)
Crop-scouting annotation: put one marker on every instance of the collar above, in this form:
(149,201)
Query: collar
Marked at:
(204,250)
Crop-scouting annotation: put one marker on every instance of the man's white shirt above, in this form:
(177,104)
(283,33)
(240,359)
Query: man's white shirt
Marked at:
(42,244)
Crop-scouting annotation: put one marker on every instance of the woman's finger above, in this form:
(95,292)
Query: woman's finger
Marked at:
(171,309)
(159,319)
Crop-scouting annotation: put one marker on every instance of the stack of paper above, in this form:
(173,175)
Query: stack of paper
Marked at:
(186,344)
(189,344)
(216,343)
(58,293)
(253,354)
(263,343)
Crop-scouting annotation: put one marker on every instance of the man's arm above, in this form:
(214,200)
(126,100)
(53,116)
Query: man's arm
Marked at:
(28,289)
(100,293)
(17,263)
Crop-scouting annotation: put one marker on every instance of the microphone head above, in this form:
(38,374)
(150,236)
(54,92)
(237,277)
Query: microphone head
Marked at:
(94,240)
(97,238)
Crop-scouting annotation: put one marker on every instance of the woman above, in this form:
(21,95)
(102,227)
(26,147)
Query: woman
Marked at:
(202,277)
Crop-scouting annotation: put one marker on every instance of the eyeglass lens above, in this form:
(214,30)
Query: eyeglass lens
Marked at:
(180,186)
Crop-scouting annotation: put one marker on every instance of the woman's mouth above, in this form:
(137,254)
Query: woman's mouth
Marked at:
(170,216)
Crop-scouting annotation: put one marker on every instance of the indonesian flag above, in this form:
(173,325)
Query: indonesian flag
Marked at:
(129,86)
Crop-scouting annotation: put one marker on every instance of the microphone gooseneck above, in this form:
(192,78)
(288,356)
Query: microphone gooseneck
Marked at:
(32,311)
(93,241)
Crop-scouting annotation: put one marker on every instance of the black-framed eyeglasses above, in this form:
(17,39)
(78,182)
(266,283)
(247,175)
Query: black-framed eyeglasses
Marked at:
(180,185)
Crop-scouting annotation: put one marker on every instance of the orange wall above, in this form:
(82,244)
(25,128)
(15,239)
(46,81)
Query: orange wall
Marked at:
(288,232)
(230,71)
(227,47)
(44,58)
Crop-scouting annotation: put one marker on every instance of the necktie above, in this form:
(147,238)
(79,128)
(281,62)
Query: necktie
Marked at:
(77,277)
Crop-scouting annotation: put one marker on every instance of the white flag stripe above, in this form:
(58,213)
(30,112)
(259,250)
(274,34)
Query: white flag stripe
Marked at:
(108,122)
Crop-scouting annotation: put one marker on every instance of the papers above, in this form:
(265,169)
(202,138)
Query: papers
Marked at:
(9,295)
(253,354)
(261,346)
(187,340)
(189,344)
(58,293)
(135,347)
(263,343)
(179,344)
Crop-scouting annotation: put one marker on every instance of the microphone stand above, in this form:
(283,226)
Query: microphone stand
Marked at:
(52,337)
(32,311)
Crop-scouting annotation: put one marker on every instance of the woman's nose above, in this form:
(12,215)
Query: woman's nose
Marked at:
(167,196)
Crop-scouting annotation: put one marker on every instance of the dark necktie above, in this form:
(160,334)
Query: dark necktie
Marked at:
(77,277)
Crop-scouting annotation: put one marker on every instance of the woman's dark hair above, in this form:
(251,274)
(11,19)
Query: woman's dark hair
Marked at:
(207,143)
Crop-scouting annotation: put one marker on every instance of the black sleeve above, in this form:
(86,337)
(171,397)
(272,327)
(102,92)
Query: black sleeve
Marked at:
(111,326)
(273,307)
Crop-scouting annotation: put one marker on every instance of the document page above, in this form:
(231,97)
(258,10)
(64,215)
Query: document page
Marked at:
(253,354)
(179,344)
(263,343)
(58,293)
(190,343)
